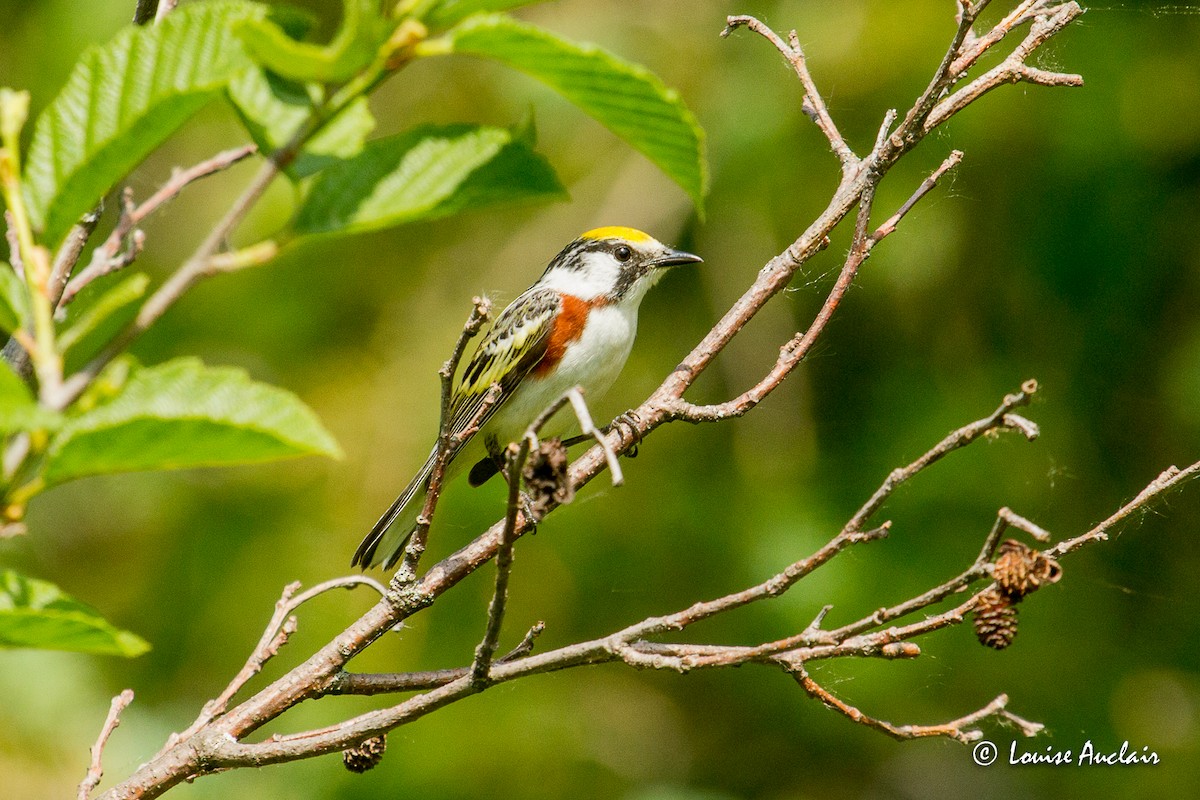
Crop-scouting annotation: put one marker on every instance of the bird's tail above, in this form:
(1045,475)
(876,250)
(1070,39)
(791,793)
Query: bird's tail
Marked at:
(385,543)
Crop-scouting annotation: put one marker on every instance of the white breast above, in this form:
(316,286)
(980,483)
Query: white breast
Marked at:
(593,361)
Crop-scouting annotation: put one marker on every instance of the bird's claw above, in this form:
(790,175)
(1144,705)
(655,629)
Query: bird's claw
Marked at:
(631,423)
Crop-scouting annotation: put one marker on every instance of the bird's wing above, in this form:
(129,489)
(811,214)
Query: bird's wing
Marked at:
(513,347)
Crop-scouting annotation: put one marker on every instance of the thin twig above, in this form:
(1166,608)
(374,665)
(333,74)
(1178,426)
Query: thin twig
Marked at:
(953,441)
(115,253)
(813,105)
(14,246)
(68,254)
(282,625)
(391,682)
(620,646)
(504,556)
(962,729)
(480,311)
(486,648)
(579,405)
(164,7)
(96,770)
(447,443)
(194,269)
(1013,69)
(1170,479)
(927,186)
(796,350)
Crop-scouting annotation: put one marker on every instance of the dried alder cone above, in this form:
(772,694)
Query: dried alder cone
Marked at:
(546,477)
(1019,570)
(995,620)
(366,755)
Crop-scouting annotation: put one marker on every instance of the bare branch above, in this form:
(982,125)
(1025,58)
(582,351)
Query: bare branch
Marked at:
(194,269)
(219,750)
(976,46)
(96,770)
(481,310)
(927,186)
(68,254)
(504,556)
(1020,523)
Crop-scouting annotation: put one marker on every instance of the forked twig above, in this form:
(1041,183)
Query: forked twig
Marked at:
(95,769)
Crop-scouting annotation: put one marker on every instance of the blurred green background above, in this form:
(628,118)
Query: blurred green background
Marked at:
(1063,249)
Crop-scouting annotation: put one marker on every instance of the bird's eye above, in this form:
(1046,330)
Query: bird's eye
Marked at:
(623,253)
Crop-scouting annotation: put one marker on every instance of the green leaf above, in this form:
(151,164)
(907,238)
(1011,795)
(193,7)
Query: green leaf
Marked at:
(35,613)
(18,410)
(273,109)
(445,13)
(182,414)
(14,300)
(423,174)
(97,314)
(355,46)
(122,100)
(626,98)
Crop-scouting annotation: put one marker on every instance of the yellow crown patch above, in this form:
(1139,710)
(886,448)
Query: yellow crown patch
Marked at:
(617,232)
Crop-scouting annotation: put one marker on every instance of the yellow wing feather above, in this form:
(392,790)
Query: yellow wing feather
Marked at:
(510,350)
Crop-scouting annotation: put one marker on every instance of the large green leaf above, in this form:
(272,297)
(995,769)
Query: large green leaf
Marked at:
(354,47)
(183,414)
(273,109)
(626,98)
(122,100)
(444,13)
(18,410)
(426,173)
(35,613)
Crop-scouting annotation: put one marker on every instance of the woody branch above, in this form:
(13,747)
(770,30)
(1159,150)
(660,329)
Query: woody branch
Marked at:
(220,744)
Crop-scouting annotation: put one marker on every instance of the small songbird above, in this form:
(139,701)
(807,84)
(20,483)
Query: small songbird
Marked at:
(574,327)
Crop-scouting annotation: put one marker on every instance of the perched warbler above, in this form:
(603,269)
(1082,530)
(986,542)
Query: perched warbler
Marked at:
(574,327)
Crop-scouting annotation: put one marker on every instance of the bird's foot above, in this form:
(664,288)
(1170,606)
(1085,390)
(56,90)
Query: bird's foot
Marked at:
(631,423)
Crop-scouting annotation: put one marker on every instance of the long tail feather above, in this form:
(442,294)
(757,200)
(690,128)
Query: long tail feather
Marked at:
(383,547)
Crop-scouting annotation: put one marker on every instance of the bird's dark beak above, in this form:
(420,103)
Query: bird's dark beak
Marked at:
(675,258)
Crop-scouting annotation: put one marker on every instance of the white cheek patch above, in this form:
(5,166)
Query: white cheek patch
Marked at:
(595,275)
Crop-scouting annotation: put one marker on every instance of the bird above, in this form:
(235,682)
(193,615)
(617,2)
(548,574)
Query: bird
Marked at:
(573,328)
